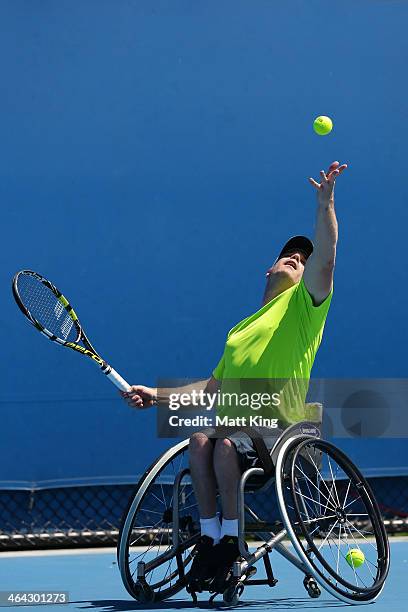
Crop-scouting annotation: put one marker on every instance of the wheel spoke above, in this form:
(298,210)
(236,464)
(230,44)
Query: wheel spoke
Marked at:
(163,494)
(331,550)
(319,518)
(323,506)
(353,501)
(188,507)
(311,481)
(363,536)
(331,529)
(334,480)
(346,494)
(151,511)
(338,554)
(311,497)
(304,502)
(158,499)
(321,479)
(300,511)
(133,543)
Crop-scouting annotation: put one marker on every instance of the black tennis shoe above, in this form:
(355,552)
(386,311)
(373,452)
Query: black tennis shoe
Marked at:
(225,553)
(203,566)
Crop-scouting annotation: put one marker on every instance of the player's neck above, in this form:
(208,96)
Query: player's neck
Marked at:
(274,287)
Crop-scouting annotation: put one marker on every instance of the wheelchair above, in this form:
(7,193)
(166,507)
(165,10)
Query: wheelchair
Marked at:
(306,501)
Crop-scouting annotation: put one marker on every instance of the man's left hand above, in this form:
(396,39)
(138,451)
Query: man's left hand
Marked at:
(325,189)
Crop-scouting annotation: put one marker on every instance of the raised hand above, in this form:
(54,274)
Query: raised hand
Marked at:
(325,189)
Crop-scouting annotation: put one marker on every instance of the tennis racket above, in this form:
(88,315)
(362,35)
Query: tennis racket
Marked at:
(52,314)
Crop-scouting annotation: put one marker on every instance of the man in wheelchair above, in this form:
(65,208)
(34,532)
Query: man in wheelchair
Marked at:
(278,341)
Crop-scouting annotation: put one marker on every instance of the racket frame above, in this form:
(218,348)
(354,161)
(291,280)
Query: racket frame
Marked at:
(87,349)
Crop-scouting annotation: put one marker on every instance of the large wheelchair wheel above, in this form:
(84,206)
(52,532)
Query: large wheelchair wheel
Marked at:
(329,510)
(159,532)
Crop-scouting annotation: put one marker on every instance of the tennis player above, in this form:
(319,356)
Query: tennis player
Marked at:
(280,340)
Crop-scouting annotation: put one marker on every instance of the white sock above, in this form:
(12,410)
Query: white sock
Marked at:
(211,527)
(229,527)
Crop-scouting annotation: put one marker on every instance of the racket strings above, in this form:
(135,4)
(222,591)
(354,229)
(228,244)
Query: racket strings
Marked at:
(45,307)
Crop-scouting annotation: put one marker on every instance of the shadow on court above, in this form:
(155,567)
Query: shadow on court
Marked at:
(286,603)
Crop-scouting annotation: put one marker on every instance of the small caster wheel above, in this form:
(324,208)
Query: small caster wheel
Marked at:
(232,594)
(312,587)
(143,593)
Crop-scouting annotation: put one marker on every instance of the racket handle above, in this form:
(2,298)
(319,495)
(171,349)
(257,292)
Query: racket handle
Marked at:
(118,380)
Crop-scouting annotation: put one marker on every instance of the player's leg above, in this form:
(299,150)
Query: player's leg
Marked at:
(228,474)
(232,456)
(227,467)
(201,451)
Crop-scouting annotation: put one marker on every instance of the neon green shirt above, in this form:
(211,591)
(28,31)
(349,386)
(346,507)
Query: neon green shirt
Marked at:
(279,341)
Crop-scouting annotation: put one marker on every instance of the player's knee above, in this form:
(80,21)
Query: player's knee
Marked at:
(223,448)
(199,446)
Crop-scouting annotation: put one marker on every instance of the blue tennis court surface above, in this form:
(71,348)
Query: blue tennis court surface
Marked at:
(93,581)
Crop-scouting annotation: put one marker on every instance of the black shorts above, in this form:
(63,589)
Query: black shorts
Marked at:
(247,455)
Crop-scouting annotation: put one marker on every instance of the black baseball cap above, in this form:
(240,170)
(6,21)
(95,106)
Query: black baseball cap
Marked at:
(301,243)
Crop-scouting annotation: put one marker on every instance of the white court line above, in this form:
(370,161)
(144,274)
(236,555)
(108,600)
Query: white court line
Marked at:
(60,552)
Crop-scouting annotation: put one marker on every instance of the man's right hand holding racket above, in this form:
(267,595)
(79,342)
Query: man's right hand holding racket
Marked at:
(140,396)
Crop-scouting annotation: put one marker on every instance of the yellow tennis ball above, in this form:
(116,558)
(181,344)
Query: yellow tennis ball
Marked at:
(323,125)
(355,557)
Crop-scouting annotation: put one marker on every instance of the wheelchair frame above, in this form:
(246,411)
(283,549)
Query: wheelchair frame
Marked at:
(244,569)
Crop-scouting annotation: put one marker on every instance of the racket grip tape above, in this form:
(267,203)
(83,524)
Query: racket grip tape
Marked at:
(118,380)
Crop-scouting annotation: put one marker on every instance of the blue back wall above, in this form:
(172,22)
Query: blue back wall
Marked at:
(154,158)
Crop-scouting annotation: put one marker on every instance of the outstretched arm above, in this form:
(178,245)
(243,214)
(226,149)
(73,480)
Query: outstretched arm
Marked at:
(318,274)
(140,396)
